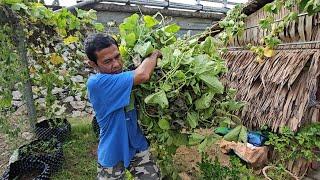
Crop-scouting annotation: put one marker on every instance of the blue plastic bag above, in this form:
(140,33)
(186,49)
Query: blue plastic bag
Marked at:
(256,139)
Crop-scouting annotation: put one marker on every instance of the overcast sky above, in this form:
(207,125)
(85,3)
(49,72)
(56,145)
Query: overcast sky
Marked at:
(72,2)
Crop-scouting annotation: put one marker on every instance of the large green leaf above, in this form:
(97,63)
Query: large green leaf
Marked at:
(232,105)
(164,124)
(130,22)
(166,56)
(179,76)
(243,135)
(196,88)
(129,25)
(213,82)
(172,28)
(208,46)
(130,39)
(205,101)
(192,118)
(180,139)
(150,21)
(166,87)
(233,135)
(238,134)
(203,64)
(195,138)
(144,49)
(203,145)
(159,98)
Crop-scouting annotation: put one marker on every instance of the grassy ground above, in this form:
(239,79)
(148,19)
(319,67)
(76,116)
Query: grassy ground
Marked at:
(80,152)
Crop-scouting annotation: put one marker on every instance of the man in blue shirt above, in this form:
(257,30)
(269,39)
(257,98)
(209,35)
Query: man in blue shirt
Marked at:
(122,143)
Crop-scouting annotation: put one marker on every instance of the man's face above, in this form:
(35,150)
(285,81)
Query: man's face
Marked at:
(109,60)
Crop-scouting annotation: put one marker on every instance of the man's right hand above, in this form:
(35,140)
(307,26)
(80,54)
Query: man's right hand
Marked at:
(145,69)
(157,54)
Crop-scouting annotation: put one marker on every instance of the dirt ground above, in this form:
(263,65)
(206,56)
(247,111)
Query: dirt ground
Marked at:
(4,152)
(14,133)
(186,158)
(7,146)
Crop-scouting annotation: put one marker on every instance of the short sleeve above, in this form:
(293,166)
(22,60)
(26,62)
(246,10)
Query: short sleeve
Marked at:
(110,92)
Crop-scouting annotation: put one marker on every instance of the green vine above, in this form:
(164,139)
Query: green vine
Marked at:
(54,50)
(184,93)
(233,24)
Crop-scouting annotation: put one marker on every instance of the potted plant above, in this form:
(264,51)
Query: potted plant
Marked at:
(57,127)
(47,151)
(27,169)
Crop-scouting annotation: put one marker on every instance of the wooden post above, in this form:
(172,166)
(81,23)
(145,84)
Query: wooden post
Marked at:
(27,88)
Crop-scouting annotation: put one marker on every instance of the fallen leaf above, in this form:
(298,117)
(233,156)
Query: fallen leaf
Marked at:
(56,59)
(32,70)
(268,52)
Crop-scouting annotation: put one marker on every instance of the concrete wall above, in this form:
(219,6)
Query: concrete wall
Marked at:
(195,25)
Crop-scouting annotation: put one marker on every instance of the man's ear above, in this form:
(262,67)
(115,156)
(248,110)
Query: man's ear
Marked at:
(92,64)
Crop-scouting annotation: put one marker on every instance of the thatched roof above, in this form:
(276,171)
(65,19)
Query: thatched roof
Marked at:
(279,92)
(283,90)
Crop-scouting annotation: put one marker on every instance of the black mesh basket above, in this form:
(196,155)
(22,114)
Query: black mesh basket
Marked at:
(95,126)
(27,169)
(48,151)
(58,128)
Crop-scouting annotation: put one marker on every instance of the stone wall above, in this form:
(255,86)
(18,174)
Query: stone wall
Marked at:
(71,105)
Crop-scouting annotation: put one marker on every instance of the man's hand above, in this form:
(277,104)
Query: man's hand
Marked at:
(157,54)
(145,69)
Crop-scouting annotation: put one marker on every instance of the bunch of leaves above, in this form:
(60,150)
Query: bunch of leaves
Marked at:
(233,24)
(54,48)
(308,140)
(290,146)
(214,170)
(275,26)
(310,6)
(185,92)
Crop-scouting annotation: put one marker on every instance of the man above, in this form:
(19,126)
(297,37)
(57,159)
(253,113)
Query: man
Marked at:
(122,144)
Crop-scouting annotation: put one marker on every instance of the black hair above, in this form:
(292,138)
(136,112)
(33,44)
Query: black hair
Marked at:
(96,42)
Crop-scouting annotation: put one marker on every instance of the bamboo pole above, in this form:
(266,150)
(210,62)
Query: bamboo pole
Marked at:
(6,16)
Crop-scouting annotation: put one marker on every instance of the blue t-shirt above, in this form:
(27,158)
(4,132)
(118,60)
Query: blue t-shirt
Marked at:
(120,136)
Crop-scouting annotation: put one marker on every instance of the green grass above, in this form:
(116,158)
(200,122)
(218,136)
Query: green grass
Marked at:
(80,152)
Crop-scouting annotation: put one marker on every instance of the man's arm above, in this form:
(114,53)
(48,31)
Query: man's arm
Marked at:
(145,69)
